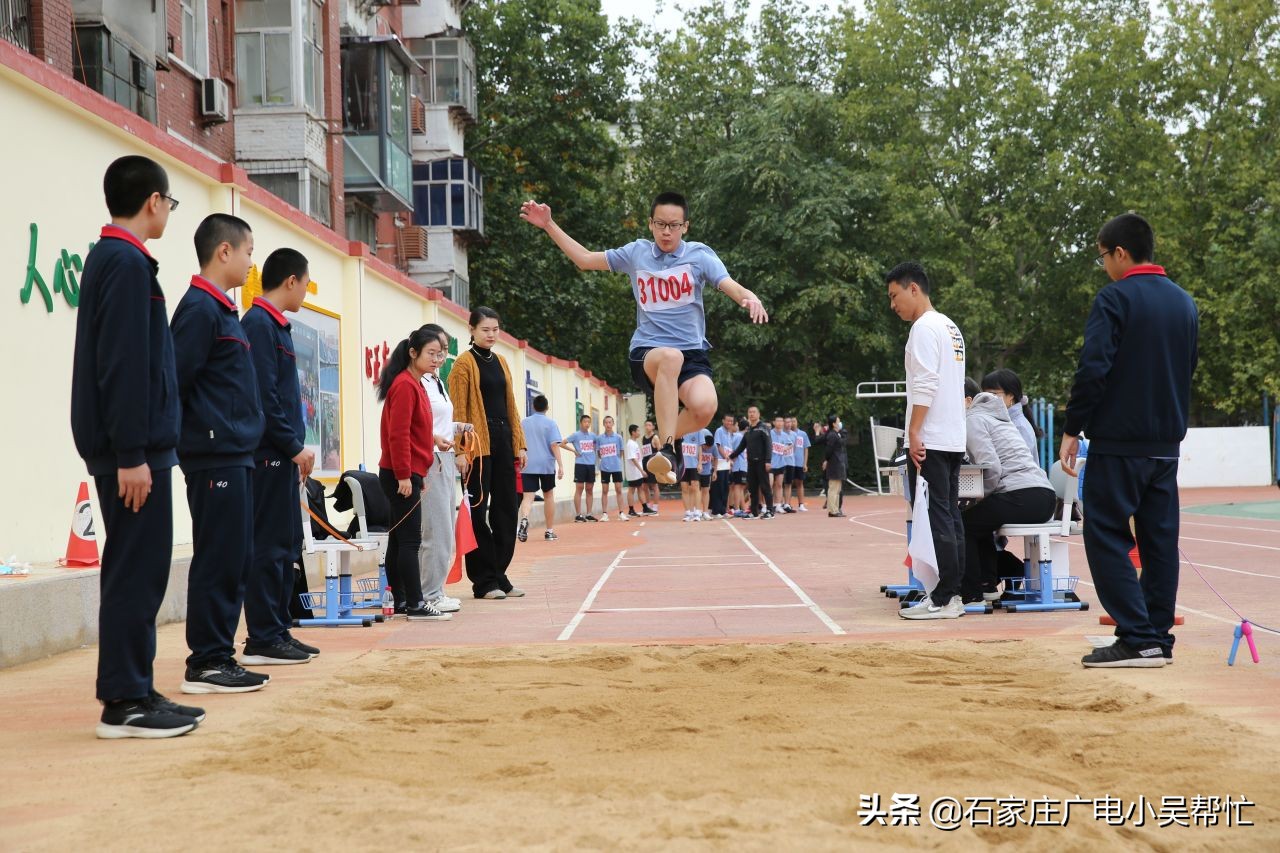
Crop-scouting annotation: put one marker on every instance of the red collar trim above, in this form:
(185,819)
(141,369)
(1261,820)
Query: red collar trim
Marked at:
(1144,269)
(201,283)
(115,232)
(272,310)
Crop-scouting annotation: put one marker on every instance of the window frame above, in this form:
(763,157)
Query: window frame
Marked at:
(462,195)
(194,56)
(306,93)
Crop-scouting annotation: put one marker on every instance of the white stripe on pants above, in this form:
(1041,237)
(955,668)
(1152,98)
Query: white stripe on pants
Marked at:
(439,514)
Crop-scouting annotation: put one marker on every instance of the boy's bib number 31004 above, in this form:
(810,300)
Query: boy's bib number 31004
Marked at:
(662,291)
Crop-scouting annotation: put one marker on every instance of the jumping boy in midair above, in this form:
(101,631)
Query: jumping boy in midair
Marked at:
(669,348)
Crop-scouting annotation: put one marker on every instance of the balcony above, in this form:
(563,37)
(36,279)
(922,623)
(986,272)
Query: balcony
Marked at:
(15,23)
(376,120)
(448,76)
(449,194)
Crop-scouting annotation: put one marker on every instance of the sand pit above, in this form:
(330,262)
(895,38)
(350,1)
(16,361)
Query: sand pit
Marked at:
(728,747)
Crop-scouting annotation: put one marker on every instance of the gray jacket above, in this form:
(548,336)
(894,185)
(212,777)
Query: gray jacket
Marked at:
(995,444)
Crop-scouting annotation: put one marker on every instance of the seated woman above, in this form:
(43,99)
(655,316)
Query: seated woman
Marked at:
(1006,385)
(1015,490)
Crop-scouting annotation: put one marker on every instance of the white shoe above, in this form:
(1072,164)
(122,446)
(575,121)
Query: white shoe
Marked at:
(801,508)
(622,516)
(445,604)
(688,516)
(926,609)
(604,516)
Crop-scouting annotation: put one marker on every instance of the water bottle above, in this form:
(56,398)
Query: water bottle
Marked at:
(388,603)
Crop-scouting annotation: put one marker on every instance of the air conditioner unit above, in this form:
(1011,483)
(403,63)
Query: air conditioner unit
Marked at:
(215,100)
(413,242)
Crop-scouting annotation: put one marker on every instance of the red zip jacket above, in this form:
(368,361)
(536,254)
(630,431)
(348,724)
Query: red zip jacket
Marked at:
(407,446)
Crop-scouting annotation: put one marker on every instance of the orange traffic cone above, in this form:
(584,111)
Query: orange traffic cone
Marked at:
(82,544)
(1136,559)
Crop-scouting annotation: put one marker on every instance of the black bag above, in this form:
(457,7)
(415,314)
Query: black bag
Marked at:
(376,505)
(315,502)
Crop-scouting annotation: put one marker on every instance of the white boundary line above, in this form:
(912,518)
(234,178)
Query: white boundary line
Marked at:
(1190,610)
(591,597)
(800,593)
(686,557)
(1198,564)
(1185,521)
(695,608)
(684,565)
(1229,542)
(881,529)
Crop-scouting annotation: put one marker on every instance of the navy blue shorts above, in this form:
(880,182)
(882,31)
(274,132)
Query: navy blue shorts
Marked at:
(584,473)
(607,477)
(545,483)
(696,363)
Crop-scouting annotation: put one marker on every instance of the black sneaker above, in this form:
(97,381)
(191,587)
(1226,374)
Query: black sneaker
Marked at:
(143,718)
(650,510)
(589,518)
(278,653)
(400,609)
(426,613)
(522,530)
(1118,654)
(549,535)
(580,519)
(299,645)
(1168,655)
(766,514)
(224,677)
(164,703)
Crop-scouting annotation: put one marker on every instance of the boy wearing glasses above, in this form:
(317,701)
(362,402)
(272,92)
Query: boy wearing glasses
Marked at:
(669,348)
(125,418)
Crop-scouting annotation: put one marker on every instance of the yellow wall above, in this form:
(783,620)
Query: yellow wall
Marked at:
(60,155)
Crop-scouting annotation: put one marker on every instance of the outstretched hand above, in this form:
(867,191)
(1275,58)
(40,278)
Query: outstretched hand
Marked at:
(536,214)
(756,310)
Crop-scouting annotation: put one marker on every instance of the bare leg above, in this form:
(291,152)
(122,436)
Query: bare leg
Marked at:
(548,509)
(591,496)
(577,499)
(526,503)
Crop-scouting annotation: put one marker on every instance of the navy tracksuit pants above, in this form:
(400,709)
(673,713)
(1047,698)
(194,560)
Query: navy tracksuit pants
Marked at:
(1116,489)
(277,544)
(135,572)
(221,502)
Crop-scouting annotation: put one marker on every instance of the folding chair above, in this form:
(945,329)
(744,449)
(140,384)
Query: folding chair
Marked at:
(884,441)
(370,508)
(1038,589)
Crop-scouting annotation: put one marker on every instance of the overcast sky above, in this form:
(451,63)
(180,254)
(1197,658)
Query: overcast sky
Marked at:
(665,14)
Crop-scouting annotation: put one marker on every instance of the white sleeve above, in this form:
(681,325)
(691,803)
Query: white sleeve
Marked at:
(924,359)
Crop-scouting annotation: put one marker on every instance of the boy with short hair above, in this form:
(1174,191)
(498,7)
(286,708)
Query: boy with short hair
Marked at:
(719,502)
(1132,393)
(634,471)
(280,463)
(934,359)
(649,492)
(125,419)
(706,473)
(799,461)
(738,472)
(780,463)
(668,351)
(690,478)
(542,467)
(609,448)
(222,424)
(583,444)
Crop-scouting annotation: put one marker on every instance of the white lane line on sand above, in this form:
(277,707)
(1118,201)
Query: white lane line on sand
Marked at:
(800,593)
(1198,564)
(591,597)
(694,608)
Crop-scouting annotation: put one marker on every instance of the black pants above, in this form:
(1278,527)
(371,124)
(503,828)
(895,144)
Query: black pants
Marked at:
(720,493)
(983,519)
(135,573)
(492,485)
(941,470)
(277,527)
(758,480)
(1116,489)
(221,502)
(402,545)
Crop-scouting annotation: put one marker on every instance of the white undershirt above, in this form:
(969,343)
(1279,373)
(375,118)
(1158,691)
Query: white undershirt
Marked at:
(441,407)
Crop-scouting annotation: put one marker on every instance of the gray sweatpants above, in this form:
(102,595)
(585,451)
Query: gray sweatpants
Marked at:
(439,513)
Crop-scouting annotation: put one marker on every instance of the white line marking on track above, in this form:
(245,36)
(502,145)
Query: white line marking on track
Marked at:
(695,608)
(591,597)
(1229,542)
(800,593)
(1198,564)
(1191,610)
(881,529)
(1185,521)
(686,556)
(684,565)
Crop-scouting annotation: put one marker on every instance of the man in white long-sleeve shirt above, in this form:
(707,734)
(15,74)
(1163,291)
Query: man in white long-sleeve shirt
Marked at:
(935,429)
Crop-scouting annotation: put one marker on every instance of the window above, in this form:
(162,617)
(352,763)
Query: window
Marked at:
(448,194)
(106,65)
(313,55)
(375,117)
(300,185)
(264,58)
(449,71)
(194,38)
(362,225)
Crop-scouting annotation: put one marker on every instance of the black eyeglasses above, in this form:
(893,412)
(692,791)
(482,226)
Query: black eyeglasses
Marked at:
(1101,260)
(173,202)
(666,226)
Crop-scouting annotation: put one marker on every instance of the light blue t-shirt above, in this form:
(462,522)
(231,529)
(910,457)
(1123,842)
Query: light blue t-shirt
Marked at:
(668,291)
(781,440)
(707,459)
(584,443)
(610,449)
(801,440)
(739,464)
(540,432)
(691,448)
(722,441)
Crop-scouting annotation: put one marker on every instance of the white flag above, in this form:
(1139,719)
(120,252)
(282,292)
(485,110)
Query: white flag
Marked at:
(924,559)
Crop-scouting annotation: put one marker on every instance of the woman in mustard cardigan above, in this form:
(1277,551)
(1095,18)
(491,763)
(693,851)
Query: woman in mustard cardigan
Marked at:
(480,385)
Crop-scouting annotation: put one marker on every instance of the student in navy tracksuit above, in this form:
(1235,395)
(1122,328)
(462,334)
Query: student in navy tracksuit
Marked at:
(124,418)
(279,464)
(1132,394)
(221,427)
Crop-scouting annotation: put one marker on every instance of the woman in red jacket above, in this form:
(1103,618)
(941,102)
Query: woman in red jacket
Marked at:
(407,453)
